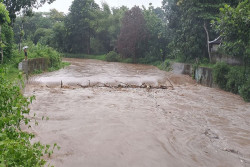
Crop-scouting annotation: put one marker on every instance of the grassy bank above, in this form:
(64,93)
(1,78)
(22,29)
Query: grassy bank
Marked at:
(84,56)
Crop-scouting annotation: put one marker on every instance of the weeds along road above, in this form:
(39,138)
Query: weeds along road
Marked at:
(121,115)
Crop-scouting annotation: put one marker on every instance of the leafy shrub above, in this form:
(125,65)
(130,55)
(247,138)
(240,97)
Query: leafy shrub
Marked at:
(54,58)
(15,146)
(245,90)
(113,57)
(232,79)
(235,79)
(220,72)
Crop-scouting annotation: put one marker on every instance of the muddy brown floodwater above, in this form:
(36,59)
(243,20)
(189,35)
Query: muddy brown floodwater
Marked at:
(99,120)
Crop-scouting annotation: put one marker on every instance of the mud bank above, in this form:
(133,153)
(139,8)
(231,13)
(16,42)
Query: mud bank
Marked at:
(187,125)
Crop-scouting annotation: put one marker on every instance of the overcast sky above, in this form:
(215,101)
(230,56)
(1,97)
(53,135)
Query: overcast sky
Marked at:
(63,5)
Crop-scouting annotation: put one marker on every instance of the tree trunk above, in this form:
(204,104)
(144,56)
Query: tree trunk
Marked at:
(208,48)
(1,44)
(20,44)
(88,41)
(20,39)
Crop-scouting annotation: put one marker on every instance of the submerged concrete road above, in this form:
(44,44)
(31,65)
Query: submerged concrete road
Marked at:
(100,117)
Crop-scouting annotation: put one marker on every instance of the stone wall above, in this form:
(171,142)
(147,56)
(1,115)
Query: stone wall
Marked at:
(30,65)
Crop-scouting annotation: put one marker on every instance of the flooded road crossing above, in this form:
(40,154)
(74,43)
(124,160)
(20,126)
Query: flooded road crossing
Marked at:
(97,123)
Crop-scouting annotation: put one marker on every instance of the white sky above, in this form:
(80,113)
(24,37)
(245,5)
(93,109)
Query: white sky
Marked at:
(63,5)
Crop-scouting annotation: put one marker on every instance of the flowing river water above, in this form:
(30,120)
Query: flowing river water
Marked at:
(125,115)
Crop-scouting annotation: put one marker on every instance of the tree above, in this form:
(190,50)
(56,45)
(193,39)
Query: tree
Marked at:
(100,41)
(156,26)
(233,26)
(4,18)
(131,40)
(59,35)
(190,20)
(14,6)
(56,16)
(80,24)
(43,36)
(108,28)
(209,11)
(25,27)
(115,24)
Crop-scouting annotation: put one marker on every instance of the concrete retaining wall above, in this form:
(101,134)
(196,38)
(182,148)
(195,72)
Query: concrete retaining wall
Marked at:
(203,76)
(182,68)
(227,59)
(30,65)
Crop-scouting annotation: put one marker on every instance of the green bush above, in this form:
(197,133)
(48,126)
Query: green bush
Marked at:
(113,57)
(54,57)
(235,78)
(15,146)
(245,90)
(220,72)
(232,79)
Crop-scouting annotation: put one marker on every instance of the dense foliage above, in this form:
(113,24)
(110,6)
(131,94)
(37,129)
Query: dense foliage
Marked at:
(80,25)
(245,90)
(15,146)
(233,26)
(220,72)
(231,78)
(22,5)
(189,21)
(133,35)
(4,20)
(180,29)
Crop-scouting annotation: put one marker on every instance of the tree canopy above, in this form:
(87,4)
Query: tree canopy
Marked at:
(4,19)
(14,6)
(233,26)
(133,34)
(181,29)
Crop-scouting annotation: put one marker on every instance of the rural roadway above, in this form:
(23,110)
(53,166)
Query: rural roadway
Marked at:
(106,114)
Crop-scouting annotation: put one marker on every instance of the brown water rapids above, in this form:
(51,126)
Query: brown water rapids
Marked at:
(118,115)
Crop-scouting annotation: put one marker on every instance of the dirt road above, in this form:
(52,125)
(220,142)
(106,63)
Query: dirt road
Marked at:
(101,121)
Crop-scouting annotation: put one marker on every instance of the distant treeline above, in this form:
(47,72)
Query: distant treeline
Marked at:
(179,29)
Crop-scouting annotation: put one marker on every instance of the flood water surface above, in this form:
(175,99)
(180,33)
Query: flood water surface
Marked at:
(98,123)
